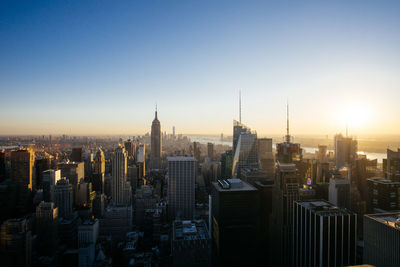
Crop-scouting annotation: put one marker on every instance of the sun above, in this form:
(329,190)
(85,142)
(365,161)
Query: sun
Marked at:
(354,115)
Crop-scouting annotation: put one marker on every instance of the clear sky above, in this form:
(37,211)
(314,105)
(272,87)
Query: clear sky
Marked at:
(99,67)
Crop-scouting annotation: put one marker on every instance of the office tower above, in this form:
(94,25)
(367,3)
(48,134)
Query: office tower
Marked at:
(266,156)
(22,165)
(85,194)
(235,217)
(76,154)
(173,131)
(393,165)
(132,176)
(88,232)
(141,161)
(119,174)
(246,155)
(345,150)
(41,164)
(253,175)
(144,199)
(50,179)
(286,191)
(2,165)
(181,183)
(63,198)
(226,164)
(324,235)
(265,189)
(130,148)
(382,239)
(155,153)
(16,243)
(99,162)
(384,195)
(46,228)
(238,129)
(339,191)
(99,171)
(116,222)
(99,205)
(88,164)
(191,243)
(73,172)
(196,151)
(210,150)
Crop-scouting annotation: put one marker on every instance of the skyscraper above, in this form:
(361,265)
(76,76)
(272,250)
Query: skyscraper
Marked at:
(155,154)
(99,171)
(265,156)
(50,179)
(76,154)
(324,235)
(245,154)
(235,222)
(73,172)
(22,163)
(2,165)
(63,198)
(393,165)
(382,239)
(238,128)
(46,227)
(210,150)
(181,183)
(16,243)
(345,150)
(119,175)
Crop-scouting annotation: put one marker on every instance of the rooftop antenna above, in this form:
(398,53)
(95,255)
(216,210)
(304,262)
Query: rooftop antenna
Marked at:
(287,122)
(240,106)
(156,110)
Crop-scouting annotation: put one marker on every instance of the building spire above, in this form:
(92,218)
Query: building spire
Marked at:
(156,110)
(240,106)
(287,123)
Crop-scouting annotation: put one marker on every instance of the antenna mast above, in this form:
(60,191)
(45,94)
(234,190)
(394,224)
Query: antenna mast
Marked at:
(287,122)
(240,106)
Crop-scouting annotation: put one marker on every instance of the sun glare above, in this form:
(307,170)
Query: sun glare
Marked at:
(354,115)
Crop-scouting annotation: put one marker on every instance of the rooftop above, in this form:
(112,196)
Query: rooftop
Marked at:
(323,208)
(389,219)
(180,158)
(233,185)
(190,230)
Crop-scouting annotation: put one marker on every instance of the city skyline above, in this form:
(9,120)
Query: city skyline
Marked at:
(87,69)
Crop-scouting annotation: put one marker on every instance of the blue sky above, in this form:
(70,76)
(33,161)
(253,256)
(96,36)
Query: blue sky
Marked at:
(90,67)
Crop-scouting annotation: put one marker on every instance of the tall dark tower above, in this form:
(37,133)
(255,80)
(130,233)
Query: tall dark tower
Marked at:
(155,154)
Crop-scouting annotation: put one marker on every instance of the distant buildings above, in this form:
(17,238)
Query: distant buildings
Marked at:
(324,235)
(155,153)
(235,222)
(191,243)
(345,150)
(382,239)
(181,187)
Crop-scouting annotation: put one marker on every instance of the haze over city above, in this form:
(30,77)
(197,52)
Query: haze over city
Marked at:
(99,68)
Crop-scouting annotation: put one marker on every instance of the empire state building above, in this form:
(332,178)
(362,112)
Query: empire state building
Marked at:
(155,154)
